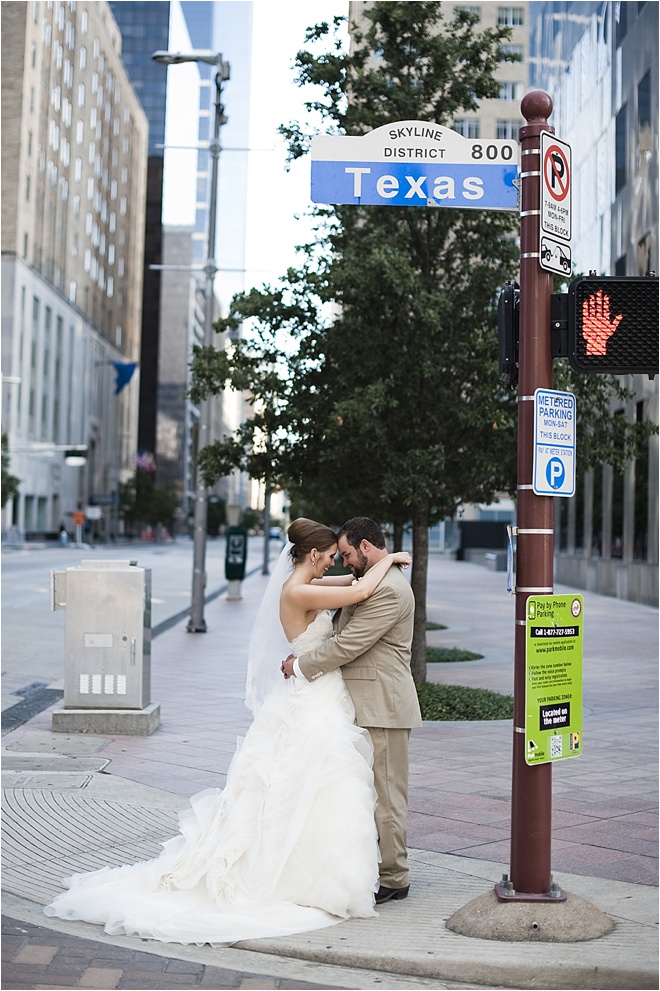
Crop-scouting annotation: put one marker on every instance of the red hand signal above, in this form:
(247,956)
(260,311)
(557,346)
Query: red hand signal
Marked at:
(597,324)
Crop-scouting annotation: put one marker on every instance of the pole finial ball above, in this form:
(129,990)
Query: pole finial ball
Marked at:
(536,106)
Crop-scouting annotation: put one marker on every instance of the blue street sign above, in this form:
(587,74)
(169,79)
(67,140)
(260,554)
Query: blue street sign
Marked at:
(413,163)
(481,187)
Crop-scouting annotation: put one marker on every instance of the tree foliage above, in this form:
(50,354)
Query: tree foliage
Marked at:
(142,502)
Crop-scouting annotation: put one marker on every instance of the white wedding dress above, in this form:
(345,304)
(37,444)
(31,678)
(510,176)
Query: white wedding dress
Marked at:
(288,845)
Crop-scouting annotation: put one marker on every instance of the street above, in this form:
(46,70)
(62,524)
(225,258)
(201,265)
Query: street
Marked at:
(33,635)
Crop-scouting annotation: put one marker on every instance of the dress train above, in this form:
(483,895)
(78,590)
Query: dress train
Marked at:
(288,845)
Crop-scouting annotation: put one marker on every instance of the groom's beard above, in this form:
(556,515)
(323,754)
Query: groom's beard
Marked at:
(361,566)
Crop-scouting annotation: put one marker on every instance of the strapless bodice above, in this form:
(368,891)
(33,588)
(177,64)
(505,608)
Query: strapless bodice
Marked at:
(318,631)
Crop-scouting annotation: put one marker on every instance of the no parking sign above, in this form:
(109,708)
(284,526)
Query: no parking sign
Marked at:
(554,443)
(556,215)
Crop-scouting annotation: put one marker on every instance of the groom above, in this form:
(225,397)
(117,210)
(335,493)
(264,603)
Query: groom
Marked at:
(372,646)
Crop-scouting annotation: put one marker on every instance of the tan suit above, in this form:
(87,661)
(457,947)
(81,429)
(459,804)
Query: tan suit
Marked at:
(372,647)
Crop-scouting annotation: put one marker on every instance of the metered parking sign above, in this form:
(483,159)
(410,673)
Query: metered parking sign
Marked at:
(554,443)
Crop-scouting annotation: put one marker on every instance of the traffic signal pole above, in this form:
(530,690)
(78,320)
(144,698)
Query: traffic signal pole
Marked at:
(531,795)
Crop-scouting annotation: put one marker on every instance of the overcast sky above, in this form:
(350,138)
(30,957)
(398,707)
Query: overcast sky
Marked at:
(278,34)
(260,235)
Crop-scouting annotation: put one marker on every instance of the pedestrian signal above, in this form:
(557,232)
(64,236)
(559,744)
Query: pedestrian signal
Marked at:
(613,325)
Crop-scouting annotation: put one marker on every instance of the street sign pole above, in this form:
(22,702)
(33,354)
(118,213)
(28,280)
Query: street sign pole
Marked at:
(531,793)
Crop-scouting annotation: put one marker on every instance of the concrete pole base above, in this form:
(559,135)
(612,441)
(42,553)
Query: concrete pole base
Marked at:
(108,722)
(234,591)
(571,921)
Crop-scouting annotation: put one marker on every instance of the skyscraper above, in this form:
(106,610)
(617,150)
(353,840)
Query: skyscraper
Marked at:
(74,144)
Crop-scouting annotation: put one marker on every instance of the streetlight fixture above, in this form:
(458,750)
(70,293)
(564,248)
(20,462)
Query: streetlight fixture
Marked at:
(197,624)
(75,455)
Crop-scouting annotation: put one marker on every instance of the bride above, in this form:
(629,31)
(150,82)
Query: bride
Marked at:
(290,843)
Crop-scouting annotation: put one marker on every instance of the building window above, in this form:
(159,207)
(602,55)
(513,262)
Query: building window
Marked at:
(641,469)
(508,129)
(597,514)
(644,115)
(467,126)
(511,17)
(509,49)
(618,487)
(470,8)
(621,22)
(621,148)
(643,253)
(509,91)
(620,266)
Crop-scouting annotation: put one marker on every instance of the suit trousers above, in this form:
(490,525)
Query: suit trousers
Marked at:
(391,782)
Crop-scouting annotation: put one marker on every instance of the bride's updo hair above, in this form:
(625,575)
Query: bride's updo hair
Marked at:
(306,534)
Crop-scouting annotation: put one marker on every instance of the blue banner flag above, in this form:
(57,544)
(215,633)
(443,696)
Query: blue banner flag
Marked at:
(124,370)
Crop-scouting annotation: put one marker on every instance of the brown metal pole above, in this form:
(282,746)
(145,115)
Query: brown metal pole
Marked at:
(531,792)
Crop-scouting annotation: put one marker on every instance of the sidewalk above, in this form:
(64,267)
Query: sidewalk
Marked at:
(78,802)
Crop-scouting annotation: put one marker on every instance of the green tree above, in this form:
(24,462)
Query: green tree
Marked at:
(389,404)
(142,502)
(10,483)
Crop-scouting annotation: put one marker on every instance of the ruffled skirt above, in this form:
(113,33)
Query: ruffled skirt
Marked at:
(289,844)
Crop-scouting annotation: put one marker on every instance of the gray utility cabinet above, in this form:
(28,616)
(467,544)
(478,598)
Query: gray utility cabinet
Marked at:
(107,662)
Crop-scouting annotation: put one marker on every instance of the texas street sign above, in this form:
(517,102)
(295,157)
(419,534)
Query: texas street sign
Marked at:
(554,443)
(414,163)
(556,214)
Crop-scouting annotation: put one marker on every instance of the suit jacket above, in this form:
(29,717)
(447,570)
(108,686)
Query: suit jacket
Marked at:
(372,646)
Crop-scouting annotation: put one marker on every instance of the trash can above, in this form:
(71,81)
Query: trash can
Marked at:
(107,662)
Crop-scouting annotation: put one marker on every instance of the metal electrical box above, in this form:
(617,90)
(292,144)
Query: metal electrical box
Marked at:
(107,661)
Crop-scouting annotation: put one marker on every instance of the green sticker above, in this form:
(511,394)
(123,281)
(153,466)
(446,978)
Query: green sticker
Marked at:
(553,678)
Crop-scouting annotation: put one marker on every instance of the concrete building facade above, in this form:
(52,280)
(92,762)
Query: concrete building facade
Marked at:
(74,145)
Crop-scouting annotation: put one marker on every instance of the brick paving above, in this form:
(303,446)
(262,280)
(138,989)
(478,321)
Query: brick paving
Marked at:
(604,816)
(34,957)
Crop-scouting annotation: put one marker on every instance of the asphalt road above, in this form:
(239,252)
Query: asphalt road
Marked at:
(33,635)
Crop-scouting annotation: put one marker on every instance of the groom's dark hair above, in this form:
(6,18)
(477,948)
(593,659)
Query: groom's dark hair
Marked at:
(362,528)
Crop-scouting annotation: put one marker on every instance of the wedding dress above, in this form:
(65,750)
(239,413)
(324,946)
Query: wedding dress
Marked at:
(288,845)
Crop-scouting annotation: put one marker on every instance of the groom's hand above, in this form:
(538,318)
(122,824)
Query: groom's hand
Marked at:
(287,666)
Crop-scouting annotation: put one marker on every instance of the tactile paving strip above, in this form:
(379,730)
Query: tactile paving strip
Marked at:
(49,835)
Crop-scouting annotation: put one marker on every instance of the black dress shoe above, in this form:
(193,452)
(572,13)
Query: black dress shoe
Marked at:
(386,894)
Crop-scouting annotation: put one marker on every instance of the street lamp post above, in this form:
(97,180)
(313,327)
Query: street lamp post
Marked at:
(197,623)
